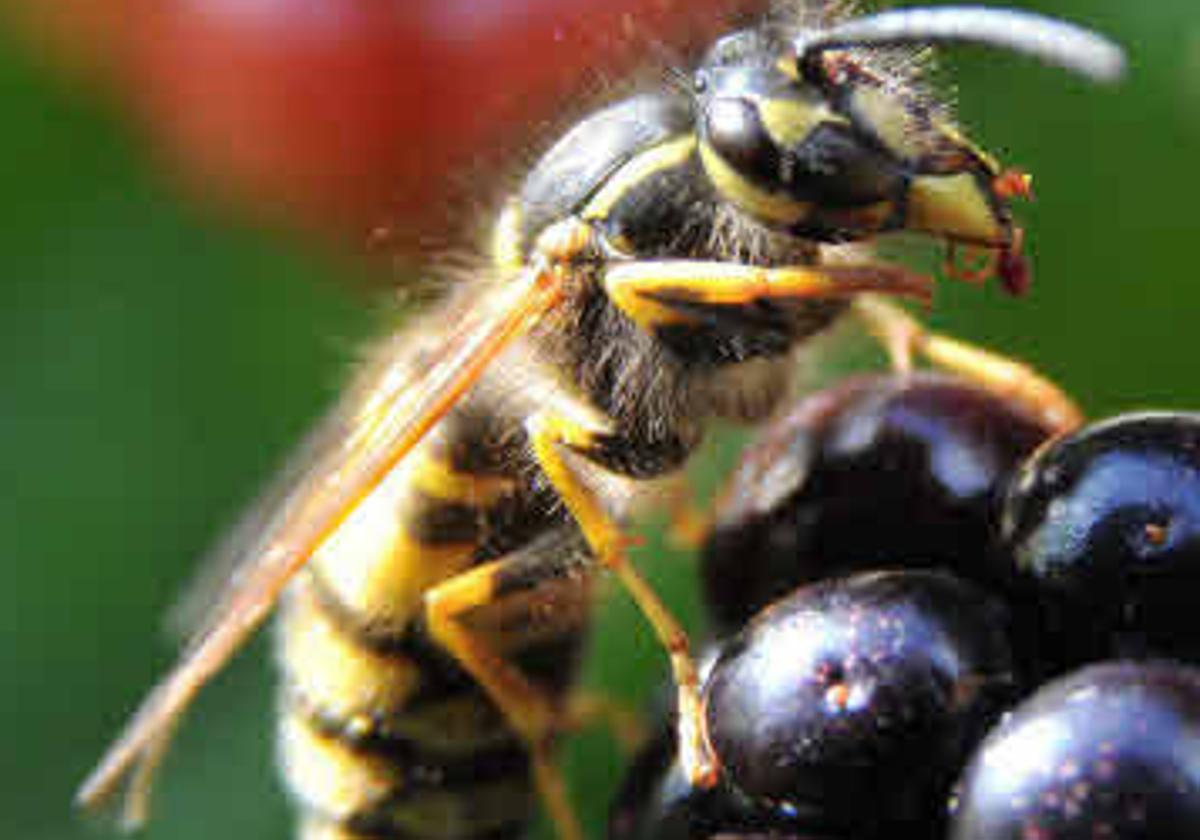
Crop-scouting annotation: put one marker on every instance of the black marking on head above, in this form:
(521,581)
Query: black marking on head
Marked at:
(733,129)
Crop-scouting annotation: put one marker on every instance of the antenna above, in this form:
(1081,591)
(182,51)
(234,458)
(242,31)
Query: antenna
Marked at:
(1050,40)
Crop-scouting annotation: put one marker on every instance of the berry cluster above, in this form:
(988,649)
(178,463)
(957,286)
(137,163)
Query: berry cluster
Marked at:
(937,620)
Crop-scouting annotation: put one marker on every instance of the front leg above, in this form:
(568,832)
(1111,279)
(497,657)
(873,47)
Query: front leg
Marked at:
(657,294)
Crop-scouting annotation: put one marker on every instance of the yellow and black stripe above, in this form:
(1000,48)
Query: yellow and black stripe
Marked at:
(383,734)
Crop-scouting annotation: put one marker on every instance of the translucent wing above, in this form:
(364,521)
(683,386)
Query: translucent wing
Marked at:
(401,395)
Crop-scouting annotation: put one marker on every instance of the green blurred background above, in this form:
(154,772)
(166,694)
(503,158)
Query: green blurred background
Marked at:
(157,361)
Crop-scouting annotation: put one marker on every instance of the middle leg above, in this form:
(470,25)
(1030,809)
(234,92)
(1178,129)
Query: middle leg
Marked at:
(553,436)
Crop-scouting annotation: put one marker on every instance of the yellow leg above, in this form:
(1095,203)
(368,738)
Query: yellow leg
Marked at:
(552,789)
(903,336)
(550,435)
(689,519)
(587,708)
(657,294)
(532,713)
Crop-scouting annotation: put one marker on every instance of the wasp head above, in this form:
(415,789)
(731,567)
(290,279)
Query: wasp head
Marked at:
(809,133)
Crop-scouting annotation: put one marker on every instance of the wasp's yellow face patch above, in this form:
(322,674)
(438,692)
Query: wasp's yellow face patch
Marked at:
(954,206)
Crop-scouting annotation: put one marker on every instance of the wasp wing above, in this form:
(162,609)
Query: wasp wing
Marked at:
(382,377)
(400,396)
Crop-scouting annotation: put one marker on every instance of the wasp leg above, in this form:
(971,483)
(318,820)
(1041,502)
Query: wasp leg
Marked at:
(588,708)
(902,336)
(487,616)
(662,293)
(551,436)
(689,516)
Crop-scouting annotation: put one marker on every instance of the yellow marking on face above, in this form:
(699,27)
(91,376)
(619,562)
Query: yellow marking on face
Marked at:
(650,162)
(774,208)
(790,121)
(954,206)
(890,120)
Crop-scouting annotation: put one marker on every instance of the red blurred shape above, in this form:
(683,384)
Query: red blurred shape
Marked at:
(342,115)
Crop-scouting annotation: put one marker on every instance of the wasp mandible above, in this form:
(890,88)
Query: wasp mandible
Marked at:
(659,267)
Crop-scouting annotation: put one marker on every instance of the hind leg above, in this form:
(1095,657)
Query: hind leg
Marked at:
(534,602)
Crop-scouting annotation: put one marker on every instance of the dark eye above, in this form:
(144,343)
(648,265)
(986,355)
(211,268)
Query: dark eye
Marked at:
(811,69)
(735,132)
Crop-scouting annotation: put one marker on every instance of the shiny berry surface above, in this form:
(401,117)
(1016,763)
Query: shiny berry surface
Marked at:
(1111,751)
(853,703)
(877,470)
(1104,531)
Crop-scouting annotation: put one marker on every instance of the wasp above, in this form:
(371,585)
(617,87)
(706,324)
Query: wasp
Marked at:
(433,551)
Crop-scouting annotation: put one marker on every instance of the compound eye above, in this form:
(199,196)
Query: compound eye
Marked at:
(810,67)
(808,156)
(733,129)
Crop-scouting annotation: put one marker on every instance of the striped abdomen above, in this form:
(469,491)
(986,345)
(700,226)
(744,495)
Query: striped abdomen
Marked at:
(383,734)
